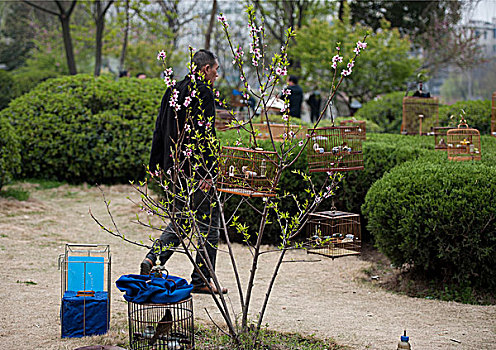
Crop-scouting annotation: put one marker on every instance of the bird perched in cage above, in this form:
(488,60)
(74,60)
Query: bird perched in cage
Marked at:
(163,327)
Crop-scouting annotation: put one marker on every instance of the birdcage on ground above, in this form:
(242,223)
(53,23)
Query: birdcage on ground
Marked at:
(493,115)
(440,137)
(85,289)
(333,234)
(420,114)
(161,326)
(464,143)
(335,148)
(280,132)
(362,126)
(247,172)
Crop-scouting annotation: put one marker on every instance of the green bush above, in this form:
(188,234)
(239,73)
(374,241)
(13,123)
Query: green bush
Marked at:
(6,85)
(386,112)
(439,218)
(25,80)
(10,158)
(82,129)
(478,114)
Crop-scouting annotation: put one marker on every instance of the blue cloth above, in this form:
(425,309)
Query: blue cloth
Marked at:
(82,316)
(143,289)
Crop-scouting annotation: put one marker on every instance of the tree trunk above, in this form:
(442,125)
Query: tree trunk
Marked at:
(69,50)
(122,58)
(210,25)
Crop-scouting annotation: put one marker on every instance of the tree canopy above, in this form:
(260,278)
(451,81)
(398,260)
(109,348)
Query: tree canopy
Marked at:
(383,67)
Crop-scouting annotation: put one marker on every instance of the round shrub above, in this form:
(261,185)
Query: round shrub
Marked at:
(386,112)
(439,217)
(6,85)
(478,114)
(25,80)
(10,158)
(86,129)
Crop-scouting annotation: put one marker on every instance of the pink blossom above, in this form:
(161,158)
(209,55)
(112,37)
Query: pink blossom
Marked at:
(217,94)
(193,93)
(300,143)
(285,117)
(208,125)
(188,152)
(161,55)
(200,123)
(361,45)
(337,58)
(187,101)
(345,72)
(334,65)
(351,64)
(356,50)
(286,92)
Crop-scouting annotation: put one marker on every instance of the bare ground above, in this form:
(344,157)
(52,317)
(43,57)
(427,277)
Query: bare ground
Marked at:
(313,294)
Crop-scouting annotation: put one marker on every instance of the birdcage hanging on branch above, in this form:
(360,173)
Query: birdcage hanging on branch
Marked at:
(362,126)
(420,114)
(333,234)
(493,115)
(247,172)
(334,148)
(440,136)
(464,143)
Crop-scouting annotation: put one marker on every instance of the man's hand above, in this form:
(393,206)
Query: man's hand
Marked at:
(205,184)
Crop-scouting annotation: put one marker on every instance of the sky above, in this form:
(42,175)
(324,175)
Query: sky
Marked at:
(485,11)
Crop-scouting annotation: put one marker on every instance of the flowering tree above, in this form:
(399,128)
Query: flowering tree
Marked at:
(192,164)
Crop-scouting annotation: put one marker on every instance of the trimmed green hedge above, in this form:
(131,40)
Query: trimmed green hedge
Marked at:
(6,86)
(10,158)
(478,114)
(82,129)
(386,112)
(439,217)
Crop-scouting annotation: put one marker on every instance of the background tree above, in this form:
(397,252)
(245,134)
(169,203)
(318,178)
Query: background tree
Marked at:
(279,15)
(64,15)
(99,10)
(385,66)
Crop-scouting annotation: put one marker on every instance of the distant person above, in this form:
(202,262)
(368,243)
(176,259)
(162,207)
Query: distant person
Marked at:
(141,76)
(295,98)
(420,93)
(124,74)
(314,101)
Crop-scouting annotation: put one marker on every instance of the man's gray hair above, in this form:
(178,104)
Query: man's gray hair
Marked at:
(203,57)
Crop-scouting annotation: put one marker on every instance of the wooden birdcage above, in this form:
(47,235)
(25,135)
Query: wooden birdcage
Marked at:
(440,137)
(334,148)
(362,127)
(464,143)
(161,326)
(493,115)
(420,114)
(334,233)
(247,172)
(280,132)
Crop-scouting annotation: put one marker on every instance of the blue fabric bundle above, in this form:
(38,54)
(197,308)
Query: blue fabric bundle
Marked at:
(143,289)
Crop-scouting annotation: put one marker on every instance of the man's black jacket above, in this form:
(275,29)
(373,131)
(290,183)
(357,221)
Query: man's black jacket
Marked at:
(199,115)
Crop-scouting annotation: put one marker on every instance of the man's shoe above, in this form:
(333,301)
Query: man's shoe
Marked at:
(205,290)
(145,267)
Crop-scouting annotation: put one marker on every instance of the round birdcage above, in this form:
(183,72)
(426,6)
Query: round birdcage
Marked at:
(464,143)
(362,126)
(334,148)
(161,326)
(247,172)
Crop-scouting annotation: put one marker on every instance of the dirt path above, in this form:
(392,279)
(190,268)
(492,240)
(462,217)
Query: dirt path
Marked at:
(313,295)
